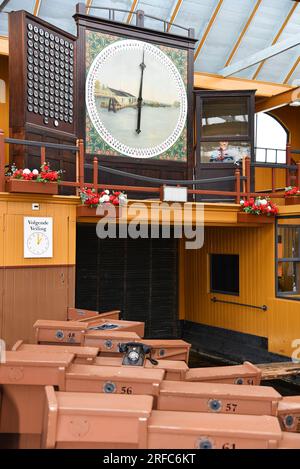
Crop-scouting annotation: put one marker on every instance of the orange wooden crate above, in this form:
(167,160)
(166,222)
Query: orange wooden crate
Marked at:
(236,374)
(174,370)
(90,420)
(59,332)
(218,398)
(191,430)
(113,380)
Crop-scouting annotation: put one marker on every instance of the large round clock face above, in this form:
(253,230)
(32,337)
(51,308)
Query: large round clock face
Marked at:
(136,98)
(38,243)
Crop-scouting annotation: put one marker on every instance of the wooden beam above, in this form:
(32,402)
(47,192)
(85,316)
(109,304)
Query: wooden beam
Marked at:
(280,100)
(245,28)
(208,28)
(264,54)
(277,37)
(210,81)
(287,78)
(133,7)
(37,7)
(88,6)
(3,45)
(174,14)
(3,4)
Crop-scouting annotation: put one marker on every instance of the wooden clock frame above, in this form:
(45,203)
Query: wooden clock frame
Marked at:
(148,167)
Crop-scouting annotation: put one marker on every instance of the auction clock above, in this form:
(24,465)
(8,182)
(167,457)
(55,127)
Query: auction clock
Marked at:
(38,237)
(136,98)
(38,243)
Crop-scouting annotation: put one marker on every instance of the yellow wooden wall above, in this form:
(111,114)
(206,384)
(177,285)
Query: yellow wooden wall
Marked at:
(255,246)
(32,289)
(13,208)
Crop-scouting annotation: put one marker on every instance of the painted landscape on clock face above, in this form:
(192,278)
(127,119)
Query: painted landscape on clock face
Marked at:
(116,92)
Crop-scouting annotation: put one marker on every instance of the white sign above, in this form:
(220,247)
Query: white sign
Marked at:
(38,237)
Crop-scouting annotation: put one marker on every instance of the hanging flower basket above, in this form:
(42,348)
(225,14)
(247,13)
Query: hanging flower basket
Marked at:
(292,195)
(257,211)
(111,203)
(110,211)
(243,217)
(31,187)
(44,181)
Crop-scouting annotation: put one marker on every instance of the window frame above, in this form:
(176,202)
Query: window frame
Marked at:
(290,295)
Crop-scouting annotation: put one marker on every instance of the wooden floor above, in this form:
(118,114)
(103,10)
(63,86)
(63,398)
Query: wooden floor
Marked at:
(279,370)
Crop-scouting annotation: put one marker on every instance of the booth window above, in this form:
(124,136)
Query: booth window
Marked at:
(224,126)
(224,274)
(288,258)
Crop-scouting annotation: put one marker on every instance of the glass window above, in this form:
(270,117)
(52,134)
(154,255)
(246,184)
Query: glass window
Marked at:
(225,116)
(224,273)
(270,139)
(288,258)
(223,152)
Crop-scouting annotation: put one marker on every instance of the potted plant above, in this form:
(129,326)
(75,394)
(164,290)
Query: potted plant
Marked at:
(44,181)
(257,210)
(292,195)
(91,200)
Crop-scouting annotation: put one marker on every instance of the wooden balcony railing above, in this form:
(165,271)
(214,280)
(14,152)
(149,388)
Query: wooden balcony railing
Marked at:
(241,177)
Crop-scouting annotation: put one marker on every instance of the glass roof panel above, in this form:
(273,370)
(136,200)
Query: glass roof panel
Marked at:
(12,5)
(59,13)
(277,67)
(223,35)
(262,31)
(118,4)
(194,14)
(295,75)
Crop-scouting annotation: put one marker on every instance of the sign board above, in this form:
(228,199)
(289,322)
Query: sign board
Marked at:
(38,237)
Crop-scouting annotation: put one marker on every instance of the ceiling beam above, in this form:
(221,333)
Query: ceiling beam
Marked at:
(210,81)
(277,37)
(208,28)
(36,8)
(264,54)
(88,5)
(280,100)
(130,14)
(4,45)
(245,28)
(3,4)
(174,13)
(287,78)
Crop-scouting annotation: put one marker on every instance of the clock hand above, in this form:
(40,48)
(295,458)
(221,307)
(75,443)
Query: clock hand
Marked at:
(140,98)
(38,239)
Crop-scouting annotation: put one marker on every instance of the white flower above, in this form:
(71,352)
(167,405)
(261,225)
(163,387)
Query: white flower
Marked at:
(269,208)
(35,172)
(123,198)
(106,191)
(104,198)
(26,171)
(263,202)
(242,202)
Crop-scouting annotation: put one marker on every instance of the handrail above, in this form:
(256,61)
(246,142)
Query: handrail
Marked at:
(111,13)
(216,300)
(242,178)
(186,182)
(34,143)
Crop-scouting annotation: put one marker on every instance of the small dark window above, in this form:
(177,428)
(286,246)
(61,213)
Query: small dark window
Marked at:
(224,273)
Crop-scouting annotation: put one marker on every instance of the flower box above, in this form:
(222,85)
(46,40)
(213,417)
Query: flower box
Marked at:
(31,187)
(112,211)
(292,200)
(243,217)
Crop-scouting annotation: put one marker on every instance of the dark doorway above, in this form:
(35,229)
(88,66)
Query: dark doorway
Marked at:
(137,276)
